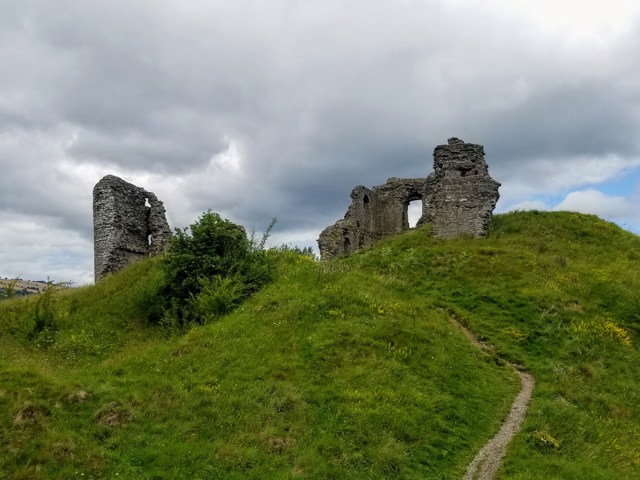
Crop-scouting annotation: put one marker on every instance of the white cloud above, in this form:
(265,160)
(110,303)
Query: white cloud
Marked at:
(555,176)
(613,208)
(577,20)
(230,160)
(36,249)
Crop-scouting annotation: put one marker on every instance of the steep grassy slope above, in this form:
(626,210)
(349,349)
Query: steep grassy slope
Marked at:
(349,369)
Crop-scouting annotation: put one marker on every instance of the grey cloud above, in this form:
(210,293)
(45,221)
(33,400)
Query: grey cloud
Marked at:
(31,183)
(567,121)
(319,96)
(171,152)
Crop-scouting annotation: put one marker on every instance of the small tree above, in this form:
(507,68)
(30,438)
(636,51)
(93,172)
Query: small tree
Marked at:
(211,267)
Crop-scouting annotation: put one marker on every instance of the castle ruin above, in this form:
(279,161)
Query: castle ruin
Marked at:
(373,214)
(458,198)
(129,224)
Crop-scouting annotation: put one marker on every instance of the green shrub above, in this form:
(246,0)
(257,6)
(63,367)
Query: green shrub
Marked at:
(211,267)
(218,296)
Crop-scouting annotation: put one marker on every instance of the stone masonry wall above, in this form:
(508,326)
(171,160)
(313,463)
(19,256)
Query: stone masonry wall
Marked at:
(458,199)
(129,224)
(373,214)
(459,195)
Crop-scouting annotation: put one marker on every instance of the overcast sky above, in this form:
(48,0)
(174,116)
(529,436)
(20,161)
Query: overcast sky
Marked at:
(263,108)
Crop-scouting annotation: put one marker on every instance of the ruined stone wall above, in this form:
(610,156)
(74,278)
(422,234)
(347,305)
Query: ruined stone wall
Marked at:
(129,224)
(458,198)
(373,214)
(394,197)
(460,195)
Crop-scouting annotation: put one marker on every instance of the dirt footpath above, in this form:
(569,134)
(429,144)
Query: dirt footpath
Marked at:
(486,463)
(488,460)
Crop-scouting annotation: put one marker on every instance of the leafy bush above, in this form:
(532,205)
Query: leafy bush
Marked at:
(218,296)
(211,267)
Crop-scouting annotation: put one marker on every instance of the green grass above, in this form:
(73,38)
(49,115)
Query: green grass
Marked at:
(346,369)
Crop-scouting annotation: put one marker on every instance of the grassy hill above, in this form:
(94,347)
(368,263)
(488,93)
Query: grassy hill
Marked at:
(346,369)
(19,287)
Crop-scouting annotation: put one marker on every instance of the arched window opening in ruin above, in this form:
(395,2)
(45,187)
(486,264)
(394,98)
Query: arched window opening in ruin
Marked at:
(414,212)
(146,203)
(149,239)
(366,213)
(347,245)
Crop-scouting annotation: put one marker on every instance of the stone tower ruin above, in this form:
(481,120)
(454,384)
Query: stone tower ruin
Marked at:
(458,198)
(129,224)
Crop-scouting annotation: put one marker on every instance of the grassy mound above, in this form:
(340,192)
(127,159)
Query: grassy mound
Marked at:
(346,369)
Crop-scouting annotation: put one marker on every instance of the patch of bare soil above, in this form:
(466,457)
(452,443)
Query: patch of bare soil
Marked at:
(113,415)
(30,414)
(279,444)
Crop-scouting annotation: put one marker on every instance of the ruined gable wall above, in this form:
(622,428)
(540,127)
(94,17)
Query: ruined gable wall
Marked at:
(460,195)
(125,228)
(354,230)
(373,214)
(394,197)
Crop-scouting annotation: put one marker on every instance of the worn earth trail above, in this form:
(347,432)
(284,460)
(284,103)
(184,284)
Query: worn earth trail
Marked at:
(486,463)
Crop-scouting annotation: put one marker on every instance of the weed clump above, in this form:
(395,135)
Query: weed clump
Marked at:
(30,414)
(44,315)
(543,440)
